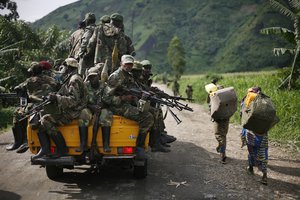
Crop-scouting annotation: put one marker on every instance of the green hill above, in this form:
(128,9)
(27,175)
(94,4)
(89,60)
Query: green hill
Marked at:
(220,35)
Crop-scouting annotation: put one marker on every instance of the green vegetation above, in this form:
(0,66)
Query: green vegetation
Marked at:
(286,102)
(218,36)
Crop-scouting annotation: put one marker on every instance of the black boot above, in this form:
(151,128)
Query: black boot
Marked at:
(83,133)
(16,129)
(157,146)
(61,148)
(140,146)
(45,145)
(106,138)
(24,147)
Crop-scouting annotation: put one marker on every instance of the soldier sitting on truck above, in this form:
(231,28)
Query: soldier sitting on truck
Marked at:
(70,99)
(95,106)
(120,103)
(36,86)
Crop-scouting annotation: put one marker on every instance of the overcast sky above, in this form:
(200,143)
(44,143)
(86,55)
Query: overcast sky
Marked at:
(32,10)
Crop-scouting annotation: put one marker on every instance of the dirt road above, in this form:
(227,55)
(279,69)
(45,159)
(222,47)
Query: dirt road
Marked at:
(192,160)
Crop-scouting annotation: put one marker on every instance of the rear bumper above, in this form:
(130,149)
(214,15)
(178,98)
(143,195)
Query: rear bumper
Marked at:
(61,161)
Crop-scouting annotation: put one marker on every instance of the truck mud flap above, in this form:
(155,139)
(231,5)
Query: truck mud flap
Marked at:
(61,161)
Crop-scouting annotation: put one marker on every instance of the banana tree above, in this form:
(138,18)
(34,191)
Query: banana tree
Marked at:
(291,9)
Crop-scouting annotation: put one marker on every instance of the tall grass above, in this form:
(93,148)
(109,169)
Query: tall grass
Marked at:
(287,102)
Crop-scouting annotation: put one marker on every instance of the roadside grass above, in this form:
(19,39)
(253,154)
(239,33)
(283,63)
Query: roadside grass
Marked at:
(5,118)
(287,102)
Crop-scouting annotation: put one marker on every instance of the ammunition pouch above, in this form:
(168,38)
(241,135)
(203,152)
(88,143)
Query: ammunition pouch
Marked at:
(143,105)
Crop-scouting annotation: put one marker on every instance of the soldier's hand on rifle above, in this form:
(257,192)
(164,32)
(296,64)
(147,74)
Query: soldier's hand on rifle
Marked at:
(52,97)
(128,97)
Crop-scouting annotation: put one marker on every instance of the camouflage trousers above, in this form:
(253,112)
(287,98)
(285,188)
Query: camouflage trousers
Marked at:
(144,119)
(84,64)
(221,129)
(86,115)
(50,122)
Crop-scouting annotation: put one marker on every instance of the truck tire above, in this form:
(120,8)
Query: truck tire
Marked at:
(53,172)
(140,171)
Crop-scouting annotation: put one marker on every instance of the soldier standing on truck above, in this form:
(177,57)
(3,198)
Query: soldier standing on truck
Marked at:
(95,106)
(120,103)
(36,86)
(111,43)
(70,100)
(87,57)
(75,41)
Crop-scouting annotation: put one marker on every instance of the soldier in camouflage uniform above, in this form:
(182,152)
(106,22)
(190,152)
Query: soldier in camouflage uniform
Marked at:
(75,41)
(175,87)
(36,86)
(70,99)
(95,89)
(86,56)
(158,137)
(120,104)
(111,43)
(189,92)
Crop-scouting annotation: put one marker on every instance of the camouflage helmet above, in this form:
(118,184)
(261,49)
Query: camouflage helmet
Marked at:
(116,17)
(105,19)
(89,16)
(137,65)
(93,71)
(72,62)
(146,64)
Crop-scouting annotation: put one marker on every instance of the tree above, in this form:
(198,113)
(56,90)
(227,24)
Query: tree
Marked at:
(12,6)
(291,9)
(176,56)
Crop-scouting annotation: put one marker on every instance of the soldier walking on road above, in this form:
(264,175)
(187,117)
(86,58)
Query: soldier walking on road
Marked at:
(189,92)
(175,88)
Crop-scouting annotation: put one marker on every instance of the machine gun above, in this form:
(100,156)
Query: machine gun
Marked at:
(37,108)
(166,100)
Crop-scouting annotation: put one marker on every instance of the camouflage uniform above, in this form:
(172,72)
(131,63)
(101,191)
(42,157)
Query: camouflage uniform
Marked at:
(75,43)
(175,88)
(36,87)
(87,55)
(189,92)
(122,79)
(110,41)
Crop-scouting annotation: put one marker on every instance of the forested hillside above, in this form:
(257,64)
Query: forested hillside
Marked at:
(220,35)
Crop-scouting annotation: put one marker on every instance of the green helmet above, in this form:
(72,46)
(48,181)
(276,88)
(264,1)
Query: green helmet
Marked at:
(89,16)
(146,64)
(105,19)
(137,65)
(116,17)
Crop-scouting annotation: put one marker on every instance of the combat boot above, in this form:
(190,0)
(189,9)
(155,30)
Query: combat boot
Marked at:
(83,133)
(45,145)
(59,141)
(24,147)
(157,146)
(140,146)
(106,138)
(16,129)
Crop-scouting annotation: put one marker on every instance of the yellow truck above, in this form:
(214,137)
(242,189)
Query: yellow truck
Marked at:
(122,143)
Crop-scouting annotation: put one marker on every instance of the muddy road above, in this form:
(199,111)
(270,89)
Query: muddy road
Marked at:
(193,160)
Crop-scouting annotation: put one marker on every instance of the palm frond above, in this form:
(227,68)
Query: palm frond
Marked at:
(8,51)
(283,51)
(295,4)
(16,44)
(283,9)
(285,33)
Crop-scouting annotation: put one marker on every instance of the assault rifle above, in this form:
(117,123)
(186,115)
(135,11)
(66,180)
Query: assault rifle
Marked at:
(152,97)
(37,108)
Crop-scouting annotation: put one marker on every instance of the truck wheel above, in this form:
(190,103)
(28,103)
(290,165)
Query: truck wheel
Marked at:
(140,171)
(54,172)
